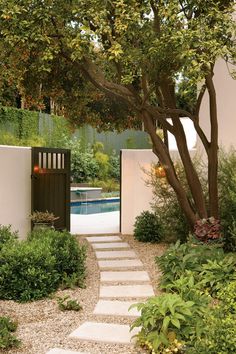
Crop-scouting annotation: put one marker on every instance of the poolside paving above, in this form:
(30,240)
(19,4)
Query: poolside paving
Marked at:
(116,298)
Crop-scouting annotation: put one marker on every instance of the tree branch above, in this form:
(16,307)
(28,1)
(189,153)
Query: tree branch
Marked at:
(199,101)
(156,24)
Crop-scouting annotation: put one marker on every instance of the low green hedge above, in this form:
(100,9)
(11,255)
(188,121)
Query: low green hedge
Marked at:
(32,269)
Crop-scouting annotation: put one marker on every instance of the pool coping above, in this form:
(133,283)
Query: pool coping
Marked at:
(79,201)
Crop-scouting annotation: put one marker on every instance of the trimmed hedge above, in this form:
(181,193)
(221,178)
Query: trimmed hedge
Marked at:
(32,269)
(147,228)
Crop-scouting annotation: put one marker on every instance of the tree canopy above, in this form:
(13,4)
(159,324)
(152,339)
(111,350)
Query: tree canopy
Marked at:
(140,53)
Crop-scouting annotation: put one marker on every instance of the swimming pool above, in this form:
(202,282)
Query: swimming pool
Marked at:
(95,207)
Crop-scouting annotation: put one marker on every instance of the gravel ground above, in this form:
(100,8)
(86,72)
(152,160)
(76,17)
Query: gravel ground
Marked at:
(42,326)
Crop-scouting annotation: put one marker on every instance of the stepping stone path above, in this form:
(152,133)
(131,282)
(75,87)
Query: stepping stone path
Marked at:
(119,289)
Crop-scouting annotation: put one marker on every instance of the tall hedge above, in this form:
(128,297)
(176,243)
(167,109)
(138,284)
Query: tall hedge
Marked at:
(26,125)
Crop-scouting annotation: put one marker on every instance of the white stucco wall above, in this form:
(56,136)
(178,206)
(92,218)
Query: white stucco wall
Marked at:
(226,105)
(15,188)
(135,195)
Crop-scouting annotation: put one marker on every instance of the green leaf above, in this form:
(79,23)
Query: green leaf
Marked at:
(175,322)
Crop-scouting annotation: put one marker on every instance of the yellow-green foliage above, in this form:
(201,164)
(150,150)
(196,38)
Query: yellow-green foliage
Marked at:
(103,162)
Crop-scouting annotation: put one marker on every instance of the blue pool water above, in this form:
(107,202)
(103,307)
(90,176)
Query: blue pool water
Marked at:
(95,207)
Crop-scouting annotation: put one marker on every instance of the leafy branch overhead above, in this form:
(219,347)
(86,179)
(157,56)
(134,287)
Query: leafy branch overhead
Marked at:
(147,55)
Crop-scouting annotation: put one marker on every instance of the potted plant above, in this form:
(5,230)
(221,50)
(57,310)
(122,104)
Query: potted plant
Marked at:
(43,219)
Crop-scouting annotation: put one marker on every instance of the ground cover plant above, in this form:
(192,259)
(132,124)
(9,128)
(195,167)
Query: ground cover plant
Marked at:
(196,313)
(36,267)
(7,338)
(67,304)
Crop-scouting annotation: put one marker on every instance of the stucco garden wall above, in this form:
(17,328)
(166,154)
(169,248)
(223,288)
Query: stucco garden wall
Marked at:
(15,188)
(135,194)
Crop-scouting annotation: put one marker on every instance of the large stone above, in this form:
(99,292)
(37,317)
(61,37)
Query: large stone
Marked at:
(124,263)
(126,291)
(110,245)
(115,308)
(104,332)
(114,276)
(115,254)
(103,238)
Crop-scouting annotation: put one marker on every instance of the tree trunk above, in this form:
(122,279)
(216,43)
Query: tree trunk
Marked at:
(213,151)
(160,149)
(168,91)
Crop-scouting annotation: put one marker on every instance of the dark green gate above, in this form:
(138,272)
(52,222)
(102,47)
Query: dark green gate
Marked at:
(51,183)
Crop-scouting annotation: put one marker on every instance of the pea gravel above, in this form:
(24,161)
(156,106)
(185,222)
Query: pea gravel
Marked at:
(42,326)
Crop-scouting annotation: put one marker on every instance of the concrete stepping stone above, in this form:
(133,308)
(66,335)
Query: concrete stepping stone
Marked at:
(110,245)
(115,254)
(104,332)
(64,351)
(124,263)
(115,308)
(103,238)
(126,291)
(124,276)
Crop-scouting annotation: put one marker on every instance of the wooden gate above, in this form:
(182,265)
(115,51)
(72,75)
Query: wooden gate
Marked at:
(51,183)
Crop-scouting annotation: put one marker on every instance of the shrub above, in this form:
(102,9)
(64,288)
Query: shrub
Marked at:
(27,271)
(69,255)
(227,197)
(32,269)
(103,163)
(7,339)
(230,237)
(164,319)
(147,227)
(216,274)
(165,203)
(108,186)
(6,235)
(114,166)
(190,289)
(180,258)
(227,295)
(219,335)
(84,167)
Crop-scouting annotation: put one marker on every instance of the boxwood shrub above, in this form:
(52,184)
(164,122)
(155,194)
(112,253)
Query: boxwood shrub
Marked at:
(147,227)
(32,269)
